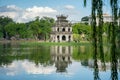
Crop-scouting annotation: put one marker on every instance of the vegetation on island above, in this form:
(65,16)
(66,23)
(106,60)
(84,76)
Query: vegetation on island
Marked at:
(39,28)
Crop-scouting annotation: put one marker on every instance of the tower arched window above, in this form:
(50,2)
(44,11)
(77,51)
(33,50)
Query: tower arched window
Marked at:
(63,37)
(63,29)
(58,29)
(69,38)
(58,38)
(68,29)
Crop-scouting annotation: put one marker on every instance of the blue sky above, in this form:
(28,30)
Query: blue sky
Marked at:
(26,10)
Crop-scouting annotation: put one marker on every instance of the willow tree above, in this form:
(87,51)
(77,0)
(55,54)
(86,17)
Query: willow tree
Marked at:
(114,27)
(97,35)
(97,31)
(100,28)
(98,12)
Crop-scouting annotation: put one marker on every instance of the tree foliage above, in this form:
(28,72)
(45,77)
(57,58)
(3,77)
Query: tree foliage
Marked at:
(40,28)
(97,35)
(46,24)
(3,22)
(80,29)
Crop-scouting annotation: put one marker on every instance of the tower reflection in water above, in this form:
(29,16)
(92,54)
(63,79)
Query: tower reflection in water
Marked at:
(61,56)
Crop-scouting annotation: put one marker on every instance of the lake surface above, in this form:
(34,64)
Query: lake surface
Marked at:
(39,62)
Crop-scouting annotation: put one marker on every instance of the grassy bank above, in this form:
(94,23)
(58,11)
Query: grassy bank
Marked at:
(43,43)
(33,42)
(53,43)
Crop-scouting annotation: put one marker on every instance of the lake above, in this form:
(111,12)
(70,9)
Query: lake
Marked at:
(41,62)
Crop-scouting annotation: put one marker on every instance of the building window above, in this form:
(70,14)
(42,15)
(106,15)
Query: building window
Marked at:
(68,29)
(63,38)
(63,29)
(58,38)
(58,29)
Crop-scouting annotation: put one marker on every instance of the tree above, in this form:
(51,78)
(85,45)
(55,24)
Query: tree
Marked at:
(45,24)
(41,28)
(1,34)
(80,29)
(3,22)
(97,7)
(10,29)
(35,28)
(18,30)
(23,30)
(76,37)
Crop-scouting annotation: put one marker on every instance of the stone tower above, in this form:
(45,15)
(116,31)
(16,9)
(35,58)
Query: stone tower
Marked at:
(62,30)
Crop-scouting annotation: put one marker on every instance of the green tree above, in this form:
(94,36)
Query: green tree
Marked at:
(35,28)
(45,24)
(41,28)
(97,8)
(23,31)
(76,37)
(3,22)
(80,29)
(1,34)
(18,30)
(10,29)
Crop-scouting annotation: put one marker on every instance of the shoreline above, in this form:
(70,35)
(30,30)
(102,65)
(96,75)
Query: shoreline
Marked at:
(38,42)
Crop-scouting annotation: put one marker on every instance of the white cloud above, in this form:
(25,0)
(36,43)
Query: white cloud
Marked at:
(12,15)
(32,69)
(36,9)
(31,13)
(25,15)
(17,67)
(13,7)
(69,7)
(28,14)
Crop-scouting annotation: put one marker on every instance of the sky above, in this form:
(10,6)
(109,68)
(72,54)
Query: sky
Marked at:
(27,10)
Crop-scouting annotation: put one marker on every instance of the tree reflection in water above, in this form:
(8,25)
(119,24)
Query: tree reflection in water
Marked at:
(96,69)
(40,55)
(114,73)
(61,57)
(114,63)
(5,50)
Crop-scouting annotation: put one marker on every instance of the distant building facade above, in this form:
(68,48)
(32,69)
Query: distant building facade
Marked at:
(62,30)
(106,18)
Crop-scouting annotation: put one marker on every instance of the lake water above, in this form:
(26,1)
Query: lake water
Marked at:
(38,62)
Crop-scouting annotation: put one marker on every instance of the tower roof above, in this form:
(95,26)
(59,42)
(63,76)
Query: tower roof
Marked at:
(62,16)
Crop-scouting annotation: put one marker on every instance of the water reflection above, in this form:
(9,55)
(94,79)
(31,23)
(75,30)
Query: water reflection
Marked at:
(96,69)
(114,70)
(4,50)
(61,56)
(114,66)
(23,59)
(26,67)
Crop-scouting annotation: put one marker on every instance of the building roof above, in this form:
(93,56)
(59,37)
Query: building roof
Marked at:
(62,16)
